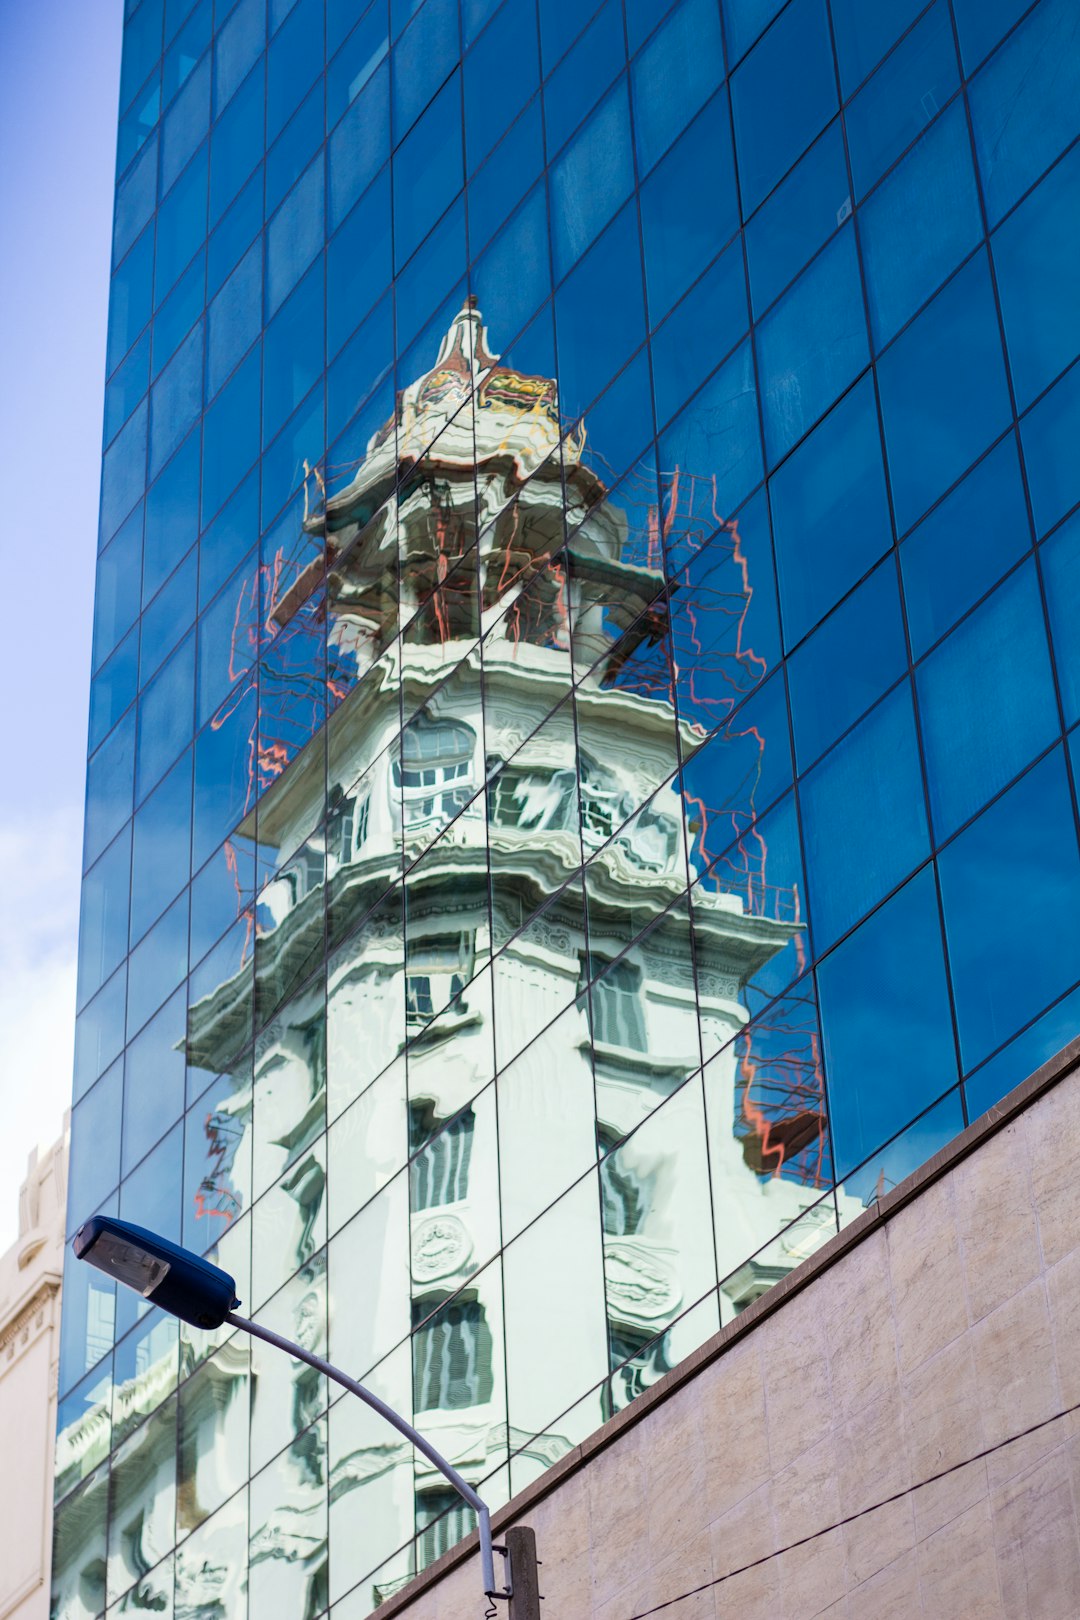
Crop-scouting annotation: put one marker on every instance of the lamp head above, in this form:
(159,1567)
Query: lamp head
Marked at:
(168,1276)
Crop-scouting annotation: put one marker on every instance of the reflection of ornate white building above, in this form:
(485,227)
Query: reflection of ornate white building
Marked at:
(29,1346)
(485,844)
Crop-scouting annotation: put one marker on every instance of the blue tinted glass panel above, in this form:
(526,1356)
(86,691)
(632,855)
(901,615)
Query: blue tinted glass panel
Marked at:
(166,713)
(782,96)
(230,435)
(865,32)
(239,42)
(427,171)
(846,664)
(802,213)
(1028,1052)
(359,146)
(600,314)
(745,21)
(944,396)
(130,297)
(707,323)
(591,178)
(118,590)
(113,688)
(681,236)
(103,916)
(882,996)
(110,778)
(934,184)
(424,56)
(1061,578)
(162,835)
(512,37)
(181,225)
(1024,103)
(127,387)
(294,236)
(964,546)
(1010,960)
(294,58)
(863,817)
(292,352)
(830,512)
(176,400)
(178,313)
(903,97)
(583,75)
(358,263)
(982,24)
(986,699)
(674,76)
(172,517)
(717,436)
(135,197)
(354,65)
(812,345)
(235,318)
(1049,434)
(509,171)
(186,122)
(236,145)
(1036,253)
(123,473)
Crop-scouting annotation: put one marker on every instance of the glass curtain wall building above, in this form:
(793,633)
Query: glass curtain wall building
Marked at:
(581,781)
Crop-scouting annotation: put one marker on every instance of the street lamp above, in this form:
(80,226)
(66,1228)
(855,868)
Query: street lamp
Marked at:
(204,1296)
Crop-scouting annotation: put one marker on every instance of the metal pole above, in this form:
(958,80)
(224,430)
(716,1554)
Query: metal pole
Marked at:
(462,1486)
(524,1577)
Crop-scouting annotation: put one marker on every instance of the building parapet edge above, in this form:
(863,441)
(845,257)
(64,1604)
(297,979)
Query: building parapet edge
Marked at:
(989,1124)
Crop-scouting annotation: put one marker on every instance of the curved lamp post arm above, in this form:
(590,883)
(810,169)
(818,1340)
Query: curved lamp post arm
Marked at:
(415,1438)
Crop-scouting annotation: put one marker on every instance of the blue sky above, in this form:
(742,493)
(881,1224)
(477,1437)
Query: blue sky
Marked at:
(59,76)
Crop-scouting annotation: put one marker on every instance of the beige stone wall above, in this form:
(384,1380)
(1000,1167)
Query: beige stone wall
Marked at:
(933,1330)
(30,1274)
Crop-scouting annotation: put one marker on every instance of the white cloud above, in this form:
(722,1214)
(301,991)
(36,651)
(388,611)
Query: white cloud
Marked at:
(39,906)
